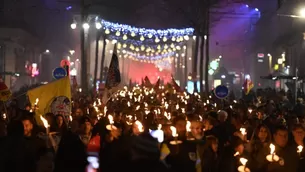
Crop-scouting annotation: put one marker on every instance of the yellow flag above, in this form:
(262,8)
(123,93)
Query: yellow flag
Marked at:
(164,151)
(53,97)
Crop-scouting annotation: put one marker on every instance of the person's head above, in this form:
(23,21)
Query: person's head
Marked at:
(59,120)
(78,112)
(212,142)
(180,124)
(75,126)
(237,144)
(137,128)
(280,136)
(298,132)
(262,134)
(50,118)
(28,126)
(236,120)
(209,123)
(197,129)
(86,125)
(222,116)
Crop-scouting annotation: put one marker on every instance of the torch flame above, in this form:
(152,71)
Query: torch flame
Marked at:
(44,121)
(138,107)
(243,161)
(159,126)
(188,126)
(36,101)
(174,131)
(243,131)
(140,126)
(300,148)
(272,148)
(110,118)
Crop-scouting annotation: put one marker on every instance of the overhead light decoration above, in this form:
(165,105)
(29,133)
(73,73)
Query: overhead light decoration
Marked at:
(127,29)
(125,37)
(107,31)
(142,38)
(164,39)
(157,40)
(118,33)
(149,58)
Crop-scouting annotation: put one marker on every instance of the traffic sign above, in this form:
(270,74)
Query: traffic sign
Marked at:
(221,91)
(59,72)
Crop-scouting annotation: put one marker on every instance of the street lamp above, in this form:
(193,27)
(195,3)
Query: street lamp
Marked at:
(86,26)
(73,26)
(98,25)
(47,51)
(72,52)
(302,12)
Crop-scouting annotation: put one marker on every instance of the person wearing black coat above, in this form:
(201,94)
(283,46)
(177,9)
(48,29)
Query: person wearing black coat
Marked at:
(71,154)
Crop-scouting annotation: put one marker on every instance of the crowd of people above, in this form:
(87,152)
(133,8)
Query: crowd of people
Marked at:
(157,129)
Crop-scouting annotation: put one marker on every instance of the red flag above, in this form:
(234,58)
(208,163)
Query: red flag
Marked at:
(94,144)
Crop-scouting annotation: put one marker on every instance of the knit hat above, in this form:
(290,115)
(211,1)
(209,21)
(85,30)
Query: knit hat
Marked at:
(144,147)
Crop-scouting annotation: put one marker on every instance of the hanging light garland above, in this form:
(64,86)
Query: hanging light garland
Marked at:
(149,58)
(119,29)
(149,48)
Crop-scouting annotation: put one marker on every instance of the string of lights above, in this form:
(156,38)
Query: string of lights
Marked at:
(151,49)
(134,57)
(149,33)
(150,58)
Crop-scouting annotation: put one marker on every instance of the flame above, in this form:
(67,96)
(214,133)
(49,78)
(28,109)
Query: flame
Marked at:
(174,131)
(159,126)
(167,115)
(105,110)
(128,104)
(110,118)
(250,110)
(138,107)
(236,154)
(188,126)
(36,101)
(71,118)
(243,161)
(177,106)
(4,116)
(300,148)
(243,131)
(44,121)
(183,110)
(272,148)
(140,126)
